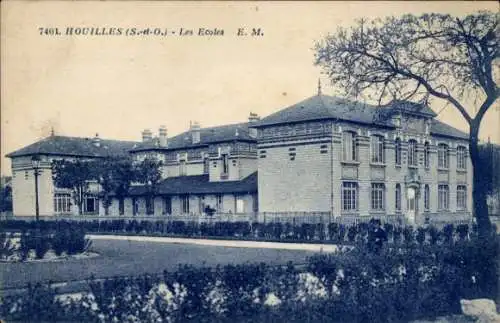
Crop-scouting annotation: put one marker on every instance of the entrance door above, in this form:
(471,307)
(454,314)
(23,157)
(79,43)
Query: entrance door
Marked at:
(411,198)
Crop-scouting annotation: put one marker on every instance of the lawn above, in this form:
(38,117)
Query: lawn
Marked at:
(118,258)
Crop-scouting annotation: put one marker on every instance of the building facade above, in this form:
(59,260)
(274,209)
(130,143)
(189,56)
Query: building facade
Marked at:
(330,155)
(322,155)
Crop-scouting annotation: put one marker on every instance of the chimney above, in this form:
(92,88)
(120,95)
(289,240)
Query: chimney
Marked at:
(147,135)
(96,140)
(253,118)
(195,132)
(162,136)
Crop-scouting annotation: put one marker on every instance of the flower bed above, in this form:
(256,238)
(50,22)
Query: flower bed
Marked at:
(393,285)
(43,244)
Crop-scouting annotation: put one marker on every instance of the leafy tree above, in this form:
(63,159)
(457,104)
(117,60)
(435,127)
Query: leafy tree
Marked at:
(5,196)
(74,175)
(148,173)
(115,176)
(422,58)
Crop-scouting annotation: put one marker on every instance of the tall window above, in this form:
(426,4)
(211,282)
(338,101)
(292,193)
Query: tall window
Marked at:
(182,168)
(135,206)
(412,153)
(378,190)
(461,157)
(461,197)
(225,164)
(427,197)
(185,204)
(206,165)
(349,196)
(377,149)
(398,151)
(219,205)
(90,204)
(398,197)
(443,161)
(121,206)
(427,156)
(62,203)
(167,205)
(149,205)
(443,197)
(349,150)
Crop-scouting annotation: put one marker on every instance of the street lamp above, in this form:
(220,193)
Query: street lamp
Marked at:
(35,160)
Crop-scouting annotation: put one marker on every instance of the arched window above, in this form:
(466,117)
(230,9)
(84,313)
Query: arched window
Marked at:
(349,147)
(427,196)
(412,153)
(427,160)
(461,157)
(443,161)
(398,197)
(397,147)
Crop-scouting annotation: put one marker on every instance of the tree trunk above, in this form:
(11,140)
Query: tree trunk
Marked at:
(480,208)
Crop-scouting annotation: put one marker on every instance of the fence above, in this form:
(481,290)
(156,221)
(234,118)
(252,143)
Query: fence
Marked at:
(295,218)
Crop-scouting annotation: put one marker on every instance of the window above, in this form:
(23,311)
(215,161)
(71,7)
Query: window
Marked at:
(62,203)
(461,197)
(225,164)
(323,149)
(121,206)
(182,168)
(398,151)
(427,197)
(240,205)
(349,147)
(135,206)
(206,165)
(443,161)
(377,149)
(461,158)
(427,161)
(149,205)
(378,190)
(185,204)
(26,176)
(398,197)
(412,153)
(219,204)
(167,205)
(349,196)
(90,204)
(443,197)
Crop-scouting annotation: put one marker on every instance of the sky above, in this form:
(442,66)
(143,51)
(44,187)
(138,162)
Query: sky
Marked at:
(118,85)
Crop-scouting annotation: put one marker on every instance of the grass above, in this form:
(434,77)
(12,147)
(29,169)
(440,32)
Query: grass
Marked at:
(118,258)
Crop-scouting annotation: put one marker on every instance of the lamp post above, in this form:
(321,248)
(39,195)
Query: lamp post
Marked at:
(35,160)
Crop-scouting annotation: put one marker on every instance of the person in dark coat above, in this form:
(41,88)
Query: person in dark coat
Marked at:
(377,236)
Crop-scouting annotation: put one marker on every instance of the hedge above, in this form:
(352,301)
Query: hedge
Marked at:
(395,285)
(331,233)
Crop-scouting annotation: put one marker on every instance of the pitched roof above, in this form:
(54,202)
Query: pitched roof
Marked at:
(323,107)
(442,129)
(209,135)
(200,184)
(75,146)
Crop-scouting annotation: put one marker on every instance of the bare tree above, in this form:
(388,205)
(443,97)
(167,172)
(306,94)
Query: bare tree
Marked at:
(422,58)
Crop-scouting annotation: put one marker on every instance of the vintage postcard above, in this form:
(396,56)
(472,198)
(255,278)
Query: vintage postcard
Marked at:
(277,150)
